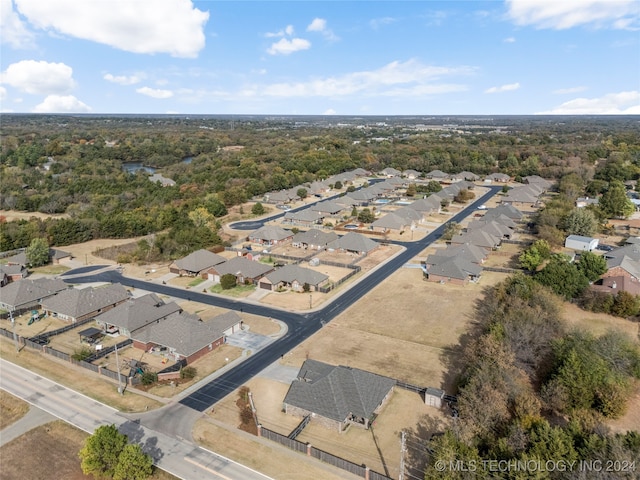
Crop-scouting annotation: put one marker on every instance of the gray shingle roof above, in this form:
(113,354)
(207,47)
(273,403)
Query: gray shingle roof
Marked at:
(271,233)
(199,260)
(427,205)
(492,227)
(478,238)
(76,303)
(504,209)
(244,267)
(315,237)
(291,273)
(186,333)
(336,392)
(452,267)
(392,221)
(26,291)
(354,242)
(470,252)
(138,312)
(327,207)
(305,215)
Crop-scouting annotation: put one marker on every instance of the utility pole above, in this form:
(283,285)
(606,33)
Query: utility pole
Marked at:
(120,389)
(310,301)
(403,448)
(13,327)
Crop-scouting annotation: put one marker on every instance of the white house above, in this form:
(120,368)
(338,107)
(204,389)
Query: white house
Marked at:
(583,244)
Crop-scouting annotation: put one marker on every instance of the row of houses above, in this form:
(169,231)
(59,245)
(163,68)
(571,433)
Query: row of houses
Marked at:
(461,261)
(147,320)
(248,270)
(16,266)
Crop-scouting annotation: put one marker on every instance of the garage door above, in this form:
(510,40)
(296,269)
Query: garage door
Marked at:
(265,286)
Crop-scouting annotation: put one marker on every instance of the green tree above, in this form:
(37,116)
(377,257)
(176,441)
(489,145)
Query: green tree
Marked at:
(133,464)
(200,217)
(580,221)
(592,265)
(533,256)
(366,216)
(464,196)
(411,190)
(101,451)
(302,193)
(38,252)
(228,281)
(451,229)
(354,211)
(614,202)
(433,186)
(563,277)
(337,185)
(625,304)
(257,209)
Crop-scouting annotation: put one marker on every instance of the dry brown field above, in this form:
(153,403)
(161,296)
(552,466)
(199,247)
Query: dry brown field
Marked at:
(58,443)
(11,409)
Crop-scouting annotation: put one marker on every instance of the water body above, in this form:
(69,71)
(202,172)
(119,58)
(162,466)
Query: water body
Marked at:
(134,167)
(187,160)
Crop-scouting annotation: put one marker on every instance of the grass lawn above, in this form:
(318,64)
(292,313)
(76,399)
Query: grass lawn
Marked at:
(11,409)
(196,282)
(237,291)
(51,269)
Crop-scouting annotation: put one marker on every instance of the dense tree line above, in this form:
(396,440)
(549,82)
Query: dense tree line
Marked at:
(534,390)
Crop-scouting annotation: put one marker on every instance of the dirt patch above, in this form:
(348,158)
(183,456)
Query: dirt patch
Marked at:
(11,215)
(597,323)
(12,409)
(55,447)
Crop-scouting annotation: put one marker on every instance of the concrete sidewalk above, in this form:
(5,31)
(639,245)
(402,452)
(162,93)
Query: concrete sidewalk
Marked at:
(33,418)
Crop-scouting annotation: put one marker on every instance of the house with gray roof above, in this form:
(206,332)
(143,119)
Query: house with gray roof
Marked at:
(522,196)
(478,238)
(186,336)
(452,269)
(355,243)
(491,226)
(391,223)
(497,178)
(411,174)
(246,271)
(164,181)
(294,277)
(75,305)
(270,235)
(469,252)
(55,256)
(437,175)
(327,208)
(27,294)
(135,313)
(504,209)
(196,263)
(537,180)
(362,197)
(304,217)
(427,206)
(360,172)
(464,175)
(313,239)
(390,172)
(12,273)
(337,396)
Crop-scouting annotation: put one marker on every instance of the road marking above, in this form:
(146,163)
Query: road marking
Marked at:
(206,468)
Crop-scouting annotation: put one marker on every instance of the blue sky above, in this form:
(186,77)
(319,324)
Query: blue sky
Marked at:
(312,58)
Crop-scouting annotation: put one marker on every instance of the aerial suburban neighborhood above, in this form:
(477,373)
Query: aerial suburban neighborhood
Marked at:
(351,320)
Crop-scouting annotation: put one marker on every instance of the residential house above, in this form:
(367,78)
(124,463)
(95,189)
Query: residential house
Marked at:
(427,206)
(75,305)
(362,196)
(391,172)
(246,271)
(411,174)
(392,223)
(582,202)
(526,196)
(545,185)
(55,256)
(27,294)
(493,227)
(452,269)
(497,178)
(469,252)
(294,277)
(164,181)
(318,188)
(478,238)
(135,313)
(464,175)
(337,396)
(271,235)
(186,336)
(505,209)
(355,243)
(196,263)
(328,208)
(305,217)
(313,239)
(437,175)
(615,284)
(12,273)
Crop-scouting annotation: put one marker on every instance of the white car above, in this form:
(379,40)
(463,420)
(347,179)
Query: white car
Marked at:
(482,207)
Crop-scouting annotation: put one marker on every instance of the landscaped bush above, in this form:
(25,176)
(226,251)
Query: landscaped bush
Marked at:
(188,373)
(82,354)
(149,378)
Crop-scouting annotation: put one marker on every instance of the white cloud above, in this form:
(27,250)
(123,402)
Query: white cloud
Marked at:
(560,15)
(39,77)
(143,26)
(287,47)
(61,104)
(397,78)
(564,91)
(623,103)
(510,40)
(288,30)
(14,31)
(123,79)
(503,88)
(155,92)
(320,25)
(329,111)
(3,94)
(376,23)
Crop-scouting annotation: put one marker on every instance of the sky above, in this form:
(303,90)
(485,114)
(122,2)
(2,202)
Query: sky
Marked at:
(332,57)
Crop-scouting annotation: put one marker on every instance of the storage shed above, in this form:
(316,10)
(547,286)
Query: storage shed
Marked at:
(433,397)
(580,243)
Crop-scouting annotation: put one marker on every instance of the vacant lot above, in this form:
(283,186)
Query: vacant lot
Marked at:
(49,451)
(11,409)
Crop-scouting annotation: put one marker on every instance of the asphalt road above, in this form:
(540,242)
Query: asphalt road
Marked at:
(178,456)
(300,326)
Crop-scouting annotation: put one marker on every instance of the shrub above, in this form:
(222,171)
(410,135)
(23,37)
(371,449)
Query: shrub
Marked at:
(149,378)
(188,373)
(81,354)
(228,281)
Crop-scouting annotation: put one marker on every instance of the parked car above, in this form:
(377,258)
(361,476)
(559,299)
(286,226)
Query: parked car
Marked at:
(283,207)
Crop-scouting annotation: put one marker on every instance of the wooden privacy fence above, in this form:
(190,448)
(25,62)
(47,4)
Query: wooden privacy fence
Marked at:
(311,451)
